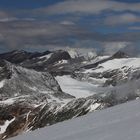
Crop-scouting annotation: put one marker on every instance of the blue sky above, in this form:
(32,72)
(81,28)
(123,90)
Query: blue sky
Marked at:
(44,24)
(38,3)
(26,4)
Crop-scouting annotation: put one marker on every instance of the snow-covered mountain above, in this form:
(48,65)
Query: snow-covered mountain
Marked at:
(112,72)
(24,91)
(18,81)
(117,123)
(18,56)
(41,89)
(88,54)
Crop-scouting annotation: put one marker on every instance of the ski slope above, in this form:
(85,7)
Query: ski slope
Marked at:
(117,123)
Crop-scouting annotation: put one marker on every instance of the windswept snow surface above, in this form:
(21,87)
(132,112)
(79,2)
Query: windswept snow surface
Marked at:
(116,64)
(76,88)
(10,101)
(46,56)
(119,63)
(2,83)
(117,123)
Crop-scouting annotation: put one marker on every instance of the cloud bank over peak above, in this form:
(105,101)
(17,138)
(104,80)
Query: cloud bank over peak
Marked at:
(107,25)
(111,47)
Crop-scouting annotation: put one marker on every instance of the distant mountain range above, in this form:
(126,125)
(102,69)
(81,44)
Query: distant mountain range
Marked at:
(41,89)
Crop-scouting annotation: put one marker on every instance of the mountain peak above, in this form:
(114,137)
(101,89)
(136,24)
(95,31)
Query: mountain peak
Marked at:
(120,54)
(18,51)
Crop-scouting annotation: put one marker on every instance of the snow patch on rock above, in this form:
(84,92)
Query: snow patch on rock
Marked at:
(6,124)
(2,83)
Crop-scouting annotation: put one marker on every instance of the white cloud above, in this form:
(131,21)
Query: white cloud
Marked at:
(67,23)
(134,28)
(8,19)
(122,19)
(112,47)
(90,7)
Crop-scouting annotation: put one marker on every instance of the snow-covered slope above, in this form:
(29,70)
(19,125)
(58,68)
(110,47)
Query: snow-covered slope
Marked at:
(118,123)
(117,64)
(111,72)
(31,98)
(23,94)
(88,54)
(17,81)
(76,88)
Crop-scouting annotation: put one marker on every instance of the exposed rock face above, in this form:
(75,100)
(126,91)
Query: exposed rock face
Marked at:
(22,90)
(18,56)
(21,81)
(27,117)
(120,54)
(47,62)
(31,98)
